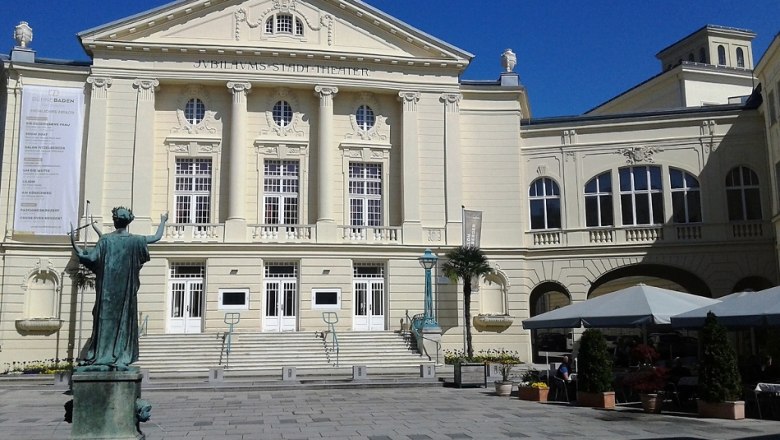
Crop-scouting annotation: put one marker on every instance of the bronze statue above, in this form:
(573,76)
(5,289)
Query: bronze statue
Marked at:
(116,260)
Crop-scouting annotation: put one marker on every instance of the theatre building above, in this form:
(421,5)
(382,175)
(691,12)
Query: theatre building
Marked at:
(309,152)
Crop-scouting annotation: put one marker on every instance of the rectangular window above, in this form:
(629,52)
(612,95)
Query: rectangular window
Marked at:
(233,299)
(280,184)
(772,108)
(192,191)
(326,299)
(365,194)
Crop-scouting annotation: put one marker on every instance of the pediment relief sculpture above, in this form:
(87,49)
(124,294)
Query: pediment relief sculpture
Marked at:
(380,132)
(297,128)
(635,155)
(205,124)
(301,24)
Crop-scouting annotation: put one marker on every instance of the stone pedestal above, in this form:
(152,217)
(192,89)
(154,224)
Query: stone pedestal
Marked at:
(104,405)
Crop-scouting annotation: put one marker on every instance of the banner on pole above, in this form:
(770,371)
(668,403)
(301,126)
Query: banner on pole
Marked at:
(472,228)
(47,180)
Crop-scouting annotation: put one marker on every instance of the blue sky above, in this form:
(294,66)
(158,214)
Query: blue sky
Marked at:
(572,54)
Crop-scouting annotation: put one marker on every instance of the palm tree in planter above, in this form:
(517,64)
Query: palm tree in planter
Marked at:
(594,371)
(719,381)
(465,263)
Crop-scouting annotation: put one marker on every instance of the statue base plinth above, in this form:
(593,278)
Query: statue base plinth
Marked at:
(104,405)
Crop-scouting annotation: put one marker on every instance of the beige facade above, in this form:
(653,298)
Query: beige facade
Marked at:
(309,152)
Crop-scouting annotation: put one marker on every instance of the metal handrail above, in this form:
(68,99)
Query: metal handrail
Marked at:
(331,318)
(417,322)
(143,327)
(231,319)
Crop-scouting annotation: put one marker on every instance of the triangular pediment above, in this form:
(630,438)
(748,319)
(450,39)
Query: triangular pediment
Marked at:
(317,28)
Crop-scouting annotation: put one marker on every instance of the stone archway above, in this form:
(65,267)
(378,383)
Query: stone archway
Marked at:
(667,277)
(752,283)
(548,296)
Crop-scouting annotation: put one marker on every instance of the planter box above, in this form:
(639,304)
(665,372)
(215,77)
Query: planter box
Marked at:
(652,403)
(533,394)
(596,400)
(723,410)
(470,375)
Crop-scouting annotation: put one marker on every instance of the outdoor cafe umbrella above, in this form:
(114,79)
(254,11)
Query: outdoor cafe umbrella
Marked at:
(742,309)
(636,306)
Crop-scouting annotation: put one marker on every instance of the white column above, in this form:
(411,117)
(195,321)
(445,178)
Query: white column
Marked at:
(326,225)
(143,156)
(412,227)
(453,168)
(235,226)
(95,164)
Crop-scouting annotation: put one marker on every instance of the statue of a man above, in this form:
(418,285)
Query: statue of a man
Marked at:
(116,260)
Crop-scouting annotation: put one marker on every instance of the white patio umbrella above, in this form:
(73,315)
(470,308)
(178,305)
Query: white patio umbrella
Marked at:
(636,306)
(742,309)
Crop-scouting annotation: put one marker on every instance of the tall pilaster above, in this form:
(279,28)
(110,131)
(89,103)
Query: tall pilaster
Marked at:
(412,227)
(143,155)
(326,224)
(235,226)
(95,164)
(453,167)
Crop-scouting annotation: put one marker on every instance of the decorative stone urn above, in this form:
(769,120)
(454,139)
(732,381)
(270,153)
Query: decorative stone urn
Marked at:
(504,389)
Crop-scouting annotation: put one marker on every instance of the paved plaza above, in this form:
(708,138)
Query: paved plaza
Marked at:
(408,413)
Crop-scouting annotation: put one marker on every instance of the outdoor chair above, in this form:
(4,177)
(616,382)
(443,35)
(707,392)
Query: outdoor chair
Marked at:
(559,385)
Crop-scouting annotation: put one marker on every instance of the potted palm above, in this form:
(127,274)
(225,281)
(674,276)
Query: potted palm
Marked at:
(719,380)
(506,361)
(594,372)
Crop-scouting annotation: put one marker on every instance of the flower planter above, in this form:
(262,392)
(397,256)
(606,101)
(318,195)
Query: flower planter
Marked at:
(504,389)
(533,394)
(721,410)
(470,374)
(652,403)
(596,400)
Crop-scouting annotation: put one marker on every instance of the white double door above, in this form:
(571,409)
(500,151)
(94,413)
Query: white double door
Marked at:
(281,304)
(369,305)
(186,306)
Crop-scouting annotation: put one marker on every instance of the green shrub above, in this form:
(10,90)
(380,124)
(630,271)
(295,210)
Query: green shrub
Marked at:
(719,379)
(594,364)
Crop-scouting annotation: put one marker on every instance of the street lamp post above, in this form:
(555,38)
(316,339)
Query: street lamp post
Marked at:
(427,261)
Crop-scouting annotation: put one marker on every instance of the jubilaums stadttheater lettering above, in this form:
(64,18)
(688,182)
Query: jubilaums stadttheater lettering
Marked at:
(280,67)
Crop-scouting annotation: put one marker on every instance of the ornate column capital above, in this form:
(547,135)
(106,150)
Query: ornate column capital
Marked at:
(146,88)
(410,100)
(326,94)
(239,89)
(451,101)
(100,86)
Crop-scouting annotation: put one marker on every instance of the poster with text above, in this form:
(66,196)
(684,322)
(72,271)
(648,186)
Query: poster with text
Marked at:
(50,138)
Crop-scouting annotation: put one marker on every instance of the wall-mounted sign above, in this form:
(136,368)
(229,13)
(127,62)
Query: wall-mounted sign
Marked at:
(50,139)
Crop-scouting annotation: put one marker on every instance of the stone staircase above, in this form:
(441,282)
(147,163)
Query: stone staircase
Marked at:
(265,354)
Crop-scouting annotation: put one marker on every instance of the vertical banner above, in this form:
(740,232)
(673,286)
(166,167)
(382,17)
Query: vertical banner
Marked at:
(472,228)
(50,139)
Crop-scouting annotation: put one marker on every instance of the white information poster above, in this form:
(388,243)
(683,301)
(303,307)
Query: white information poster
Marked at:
(50,138)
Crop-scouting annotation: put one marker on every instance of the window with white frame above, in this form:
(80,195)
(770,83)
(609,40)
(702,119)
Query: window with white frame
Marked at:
(284,24)
(365,117)
(545,204)
(598,201)
(641,196)
(686,197)
(280,188)
(743,194)
(282,113)
(192,191)
(721,55)
(365,194)
(194,111)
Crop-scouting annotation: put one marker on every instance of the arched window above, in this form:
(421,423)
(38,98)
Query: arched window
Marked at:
(686,197)
(545,202)
(598,201)
(641,196)
(282,113)
(691,58)
(194,111)
(743,195)
(721,55)
(702,55)
(740,57)
(365,117)
(284,24)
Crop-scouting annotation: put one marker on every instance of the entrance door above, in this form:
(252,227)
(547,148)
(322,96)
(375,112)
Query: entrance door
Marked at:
(281,298)
(369,305)
(186,306)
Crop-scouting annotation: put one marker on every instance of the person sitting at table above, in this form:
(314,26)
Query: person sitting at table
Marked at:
(564,370)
